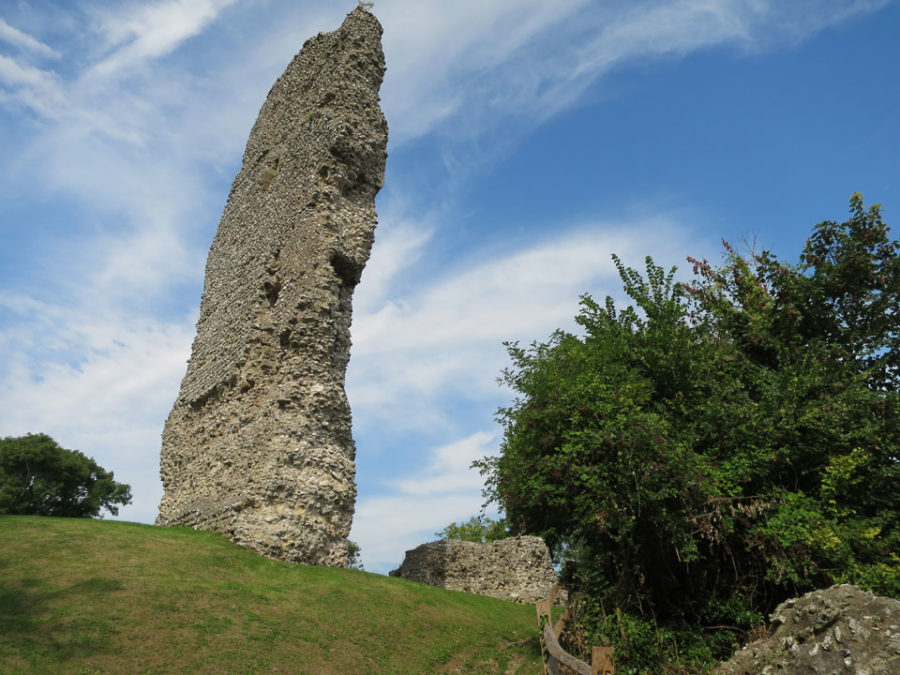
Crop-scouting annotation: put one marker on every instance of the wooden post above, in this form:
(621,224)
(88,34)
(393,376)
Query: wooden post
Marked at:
(555,658)
(543,610)
(554,592)
(561,623)
(602,661)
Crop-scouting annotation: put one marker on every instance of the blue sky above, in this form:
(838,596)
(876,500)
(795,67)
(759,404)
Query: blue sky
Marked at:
(529,140)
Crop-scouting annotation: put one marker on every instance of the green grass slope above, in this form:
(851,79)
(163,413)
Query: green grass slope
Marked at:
(87,596)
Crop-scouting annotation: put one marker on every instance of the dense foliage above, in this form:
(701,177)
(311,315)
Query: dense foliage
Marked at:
(478,529)
(40,478)
(721,446)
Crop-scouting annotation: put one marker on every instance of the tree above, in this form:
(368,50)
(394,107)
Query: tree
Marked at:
(354,555)
(38,477)
(722,445)
(481,530)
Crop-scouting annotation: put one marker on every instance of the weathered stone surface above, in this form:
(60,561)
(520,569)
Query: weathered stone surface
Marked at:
(517,569)
(841,629)
(258,444)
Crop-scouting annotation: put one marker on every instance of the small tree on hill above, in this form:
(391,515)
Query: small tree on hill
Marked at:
(38,477)
(354,555)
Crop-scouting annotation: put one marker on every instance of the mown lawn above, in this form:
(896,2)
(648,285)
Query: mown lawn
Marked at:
(87,596)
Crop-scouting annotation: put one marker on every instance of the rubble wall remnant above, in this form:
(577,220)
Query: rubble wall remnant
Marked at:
(258,444)
(842,629)
(518,569)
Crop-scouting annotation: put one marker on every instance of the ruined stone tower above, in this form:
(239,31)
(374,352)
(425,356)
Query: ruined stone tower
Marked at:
(258,443)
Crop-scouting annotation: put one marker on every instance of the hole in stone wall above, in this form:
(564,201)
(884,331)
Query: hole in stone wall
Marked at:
(271,289)
(346,270)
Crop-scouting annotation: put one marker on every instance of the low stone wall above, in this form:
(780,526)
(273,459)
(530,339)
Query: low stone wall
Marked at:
(518,569)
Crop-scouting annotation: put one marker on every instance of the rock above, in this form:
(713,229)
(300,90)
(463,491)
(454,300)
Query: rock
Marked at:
(842,629)
(258,444)
(517,569)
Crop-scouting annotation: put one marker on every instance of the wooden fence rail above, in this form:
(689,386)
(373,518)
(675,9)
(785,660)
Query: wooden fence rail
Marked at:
(557,661)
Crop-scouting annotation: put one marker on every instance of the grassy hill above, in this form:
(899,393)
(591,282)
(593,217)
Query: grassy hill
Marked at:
(87,596)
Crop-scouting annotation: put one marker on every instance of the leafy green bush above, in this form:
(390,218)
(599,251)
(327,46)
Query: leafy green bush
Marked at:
(40,478)
(478,529)
(720,446)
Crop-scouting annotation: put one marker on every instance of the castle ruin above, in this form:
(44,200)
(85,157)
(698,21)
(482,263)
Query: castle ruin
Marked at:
(258,445)
(517,569)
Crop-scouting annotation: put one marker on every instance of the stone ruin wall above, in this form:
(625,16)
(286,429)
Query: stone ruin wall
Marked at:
(841,629)
(258,444)
(518,569)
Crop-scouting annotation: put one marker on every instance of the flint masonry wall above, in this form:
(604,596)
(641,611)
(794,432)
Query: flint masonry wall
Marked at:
(518,569)
(258,444)
(842,629)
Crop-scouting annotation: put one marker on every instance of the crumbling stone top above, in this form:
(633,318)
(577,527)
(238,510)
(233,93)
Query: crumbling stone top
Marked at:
(311,168)
(842,629)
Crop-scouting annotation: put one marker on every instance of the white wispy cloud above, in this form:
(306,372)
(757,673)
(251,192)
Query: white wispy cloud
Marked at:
(791,22)
(97,382)
(398,246)
(14,73)
(468,70)
(30,86)
(449,470)
(12,35)
(446,490)
(141,31)
(438,50)
(669,28)
(447,335)
(386,527)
